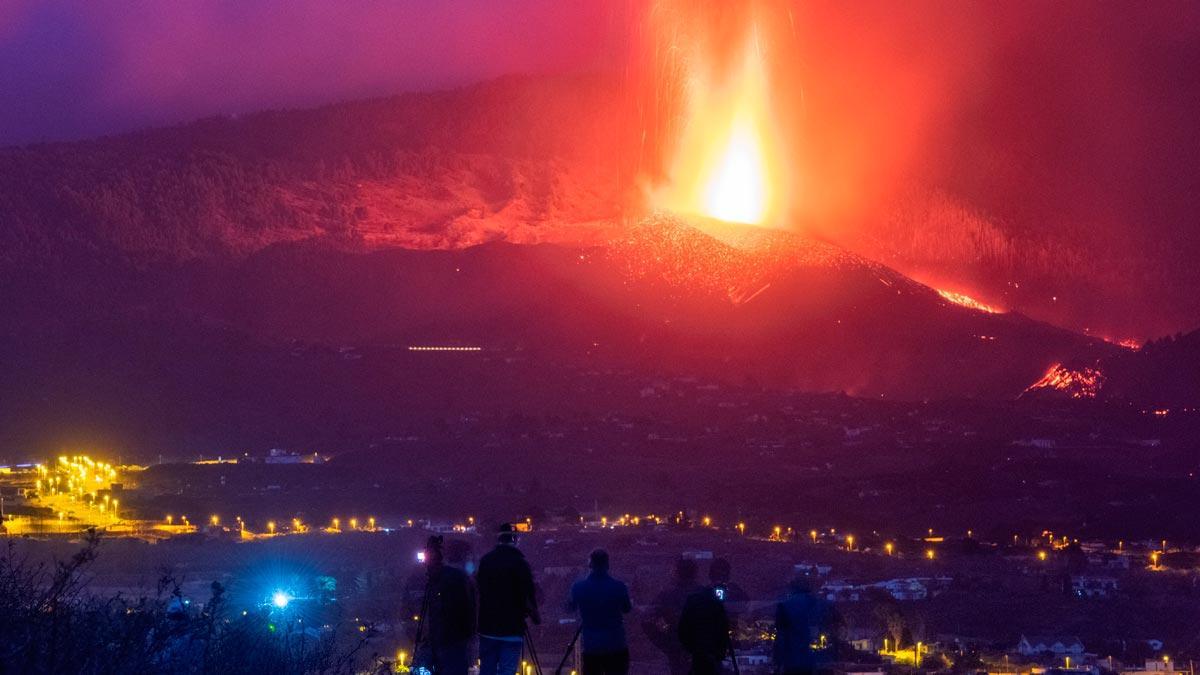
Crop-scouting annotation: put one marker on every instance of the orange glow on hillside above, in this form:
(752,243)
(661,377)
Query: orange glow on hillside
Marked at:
(967,301)
(724,165)
(1074,382)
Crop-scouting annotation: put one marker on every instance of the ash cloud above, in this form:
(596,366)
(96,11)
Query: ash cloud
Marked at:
(77,68)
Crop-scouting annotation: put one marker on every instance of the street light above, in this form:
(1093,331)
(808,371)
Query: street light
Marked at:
(889,547)
(271,526)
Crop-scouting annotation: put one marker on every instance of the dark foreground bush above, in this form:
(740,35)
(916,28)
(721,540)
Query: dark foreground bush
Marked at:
(49,623)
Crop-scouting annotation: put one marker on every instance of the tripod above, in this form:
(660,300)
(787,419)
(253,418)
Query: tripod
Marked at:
(418,638)
(733,659)
(533,657)
(570,648)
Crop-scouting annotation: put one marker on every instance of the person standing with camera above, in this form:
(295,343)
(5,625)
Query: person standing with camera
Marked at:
(704,630)
(506,598)
(602,602)
(449,614)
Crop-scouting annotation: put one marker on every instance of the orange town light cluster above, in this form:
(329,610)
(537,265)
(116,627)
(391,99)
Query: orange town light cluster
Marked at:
(443,348)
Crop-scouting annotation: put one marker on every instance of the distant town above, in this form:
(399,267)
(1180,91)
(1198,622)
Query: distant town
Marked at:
(931,600)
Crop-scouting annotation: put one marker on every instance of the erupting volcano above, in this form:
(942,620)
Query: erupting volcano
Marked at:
(723,165)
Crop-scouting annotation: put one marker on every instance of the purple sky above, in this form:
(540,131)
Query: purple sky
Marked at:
(78,68)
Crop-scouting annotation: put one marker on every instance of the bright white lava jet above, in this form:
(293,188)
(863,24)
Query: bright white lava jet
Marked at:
(737,190)
(724,165)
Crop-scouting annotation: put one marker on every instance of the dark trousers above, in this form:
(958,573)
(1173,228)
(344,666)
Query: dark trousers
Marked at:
(447,657)
(606,663)
(706,664)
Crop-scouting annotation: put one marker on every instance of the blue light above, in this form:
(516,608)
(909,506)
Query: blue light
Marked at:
(280,599)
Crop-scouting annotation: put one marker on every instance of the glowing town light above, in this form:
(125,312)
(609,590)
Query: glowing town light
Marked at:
(930,554)
(280,599)
(271,526)
(889,547)
(421,557)
(214,519)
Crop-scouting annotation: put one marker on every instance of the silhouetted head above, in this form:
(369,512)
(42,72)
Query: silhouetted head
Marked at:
(433,551)
(686,571)
(719,571)
(508,534)
(598,560)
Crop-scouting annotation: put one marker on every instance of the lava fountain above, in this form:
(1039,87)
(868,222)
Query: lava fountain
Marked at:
(724,164)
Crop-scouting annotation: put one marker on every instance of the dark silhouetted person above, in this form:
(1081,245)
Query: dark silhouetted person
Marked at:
(506,598)
(704,630)
(602,602)
(800,618)
(720,573)
(450,613)
(662,624)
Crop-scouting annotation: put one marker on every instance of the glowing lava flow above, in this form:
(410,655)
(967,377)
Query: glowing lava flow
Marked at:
(1074,382)
(967,301)
(723,166)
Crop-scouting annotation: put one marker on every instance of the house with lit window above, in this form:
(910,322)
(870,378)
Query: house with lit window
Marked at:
(1093,586)
(1039,645)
